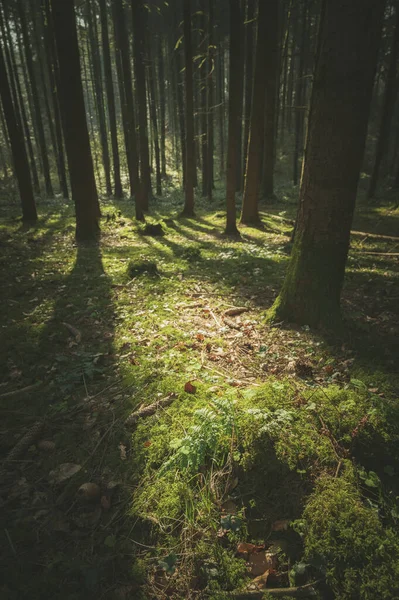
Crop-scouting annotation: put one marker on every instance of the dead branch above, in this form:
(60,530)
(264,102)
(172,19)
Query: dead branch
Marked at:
(24,390)
(149,410)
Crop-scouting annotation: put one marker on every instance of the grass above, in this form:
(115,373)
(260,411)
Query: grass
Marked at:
(267,424)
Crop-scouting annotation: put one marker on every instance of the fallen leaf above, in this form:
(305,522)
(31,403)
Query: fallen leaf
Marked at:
(190,388)
(261,580)
(122,449)
(64,472)
(75,332)
(200,337)
(147,444)
(259,562)
(247,548)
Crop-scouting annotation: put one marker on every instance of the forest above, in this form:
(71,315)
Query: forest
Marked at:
(199,267)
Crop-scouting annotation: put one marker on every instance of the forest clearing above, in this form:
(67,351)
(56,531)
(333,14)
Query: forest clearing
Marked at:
(199,358)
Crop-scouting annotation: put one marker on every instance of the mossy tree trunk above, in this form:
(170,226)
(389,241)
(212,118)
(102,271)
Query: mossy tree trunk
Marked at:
(340,104)
(76,135)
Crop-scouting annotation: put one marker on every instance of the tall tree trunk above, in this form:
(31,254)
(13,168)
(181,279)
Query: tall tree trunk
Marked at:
(271,67)
(127,103)
(240,93)
(154,121)
(20,159)
(17,97)
(98,91)
(250,213)
(203,108)
(180,108)
(210,98)
(35,99)
(221,111)
(109,88)
(299,100)
(249,77)
(52,70)
(341,96)
(162,104)
(139,29)
(76,135)
(235,114)
(390,94)
(188,210)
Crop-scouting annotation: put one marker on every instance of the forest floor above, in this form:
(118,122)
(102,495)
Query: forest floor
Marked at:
(271,456)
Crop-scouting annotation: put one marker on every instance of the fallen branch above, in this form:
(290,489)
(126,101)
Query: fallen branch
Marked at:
(376,253)
(302,591)
(149,410)
(235,311)
(75,332)
(28,388)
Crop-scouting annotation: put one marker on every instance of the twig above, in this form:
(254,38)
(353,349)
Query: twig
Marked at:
(28,388)
(147,411)
(302,591)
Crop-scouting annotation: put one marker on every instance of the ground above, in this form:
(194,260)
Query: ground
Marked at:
(256,433)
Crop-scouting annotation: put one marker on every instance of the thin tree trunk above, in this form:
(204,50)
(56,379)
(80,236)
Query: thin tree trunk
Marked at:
(20,159)
(162,104)
(35,99)
(271,67)
(76,134)
(109,88)
(250,212)
(299,100)
(235,114)
(203,108)
(188,210)
(221,103)
(180,109)
(249,77)
(210,99)
(139,28)
(127,102)
(98,93)
(345,69)
(391,91)
(52,69)
(153,116)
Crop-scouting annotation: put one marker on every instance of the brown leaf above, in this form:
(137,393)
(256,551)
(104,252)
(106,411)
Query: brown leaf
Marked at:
(190,388)
(261,580)
(246,548)
(236,310)
(200,337)
(229,507)
(260,562)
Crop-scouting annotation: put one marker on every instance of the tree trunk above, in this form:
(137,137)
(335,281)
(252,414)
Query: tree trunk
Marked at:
(299,101)
(76,135)
(20,159)
(52,70)
(16,93)
(249,78)
(240,93)
(188,210)
(235,114)
(391,90)
(221,103)
(203,108)
(139,29)
(162,104)
(341,96)
(210,99)
(271,68)
(154,121)
(35,98)
(98,94)
(250,213)
(109,88)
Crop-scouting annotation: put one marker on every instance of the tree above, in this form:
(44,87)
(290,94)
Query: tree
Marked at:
(250,212)
(109,87)
(139,29)
(77,143)
(340,104)
(188,210)
(20,159)
(391,90)
(235,112)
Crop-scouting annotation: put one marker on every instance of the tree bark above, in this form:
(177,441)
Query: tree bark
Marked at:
(203,109)
(271,68)
(77,143)
(250,213)
(20,159)
(188,210)
(162,104)
(390,94)
(299,100)
(109,88)
(210,99)
(35,98)
(340,104)
(235,114)
(249,77)
(154,120)
(139,28)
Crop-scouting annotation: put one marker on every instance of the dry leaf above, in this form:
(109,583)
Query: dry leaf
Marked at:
(200,337)
(122,449)
(89,492)
(63,472)
(190,388)
(261,580)
(246,548)
(75,332)
(147,444)
(259,562)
